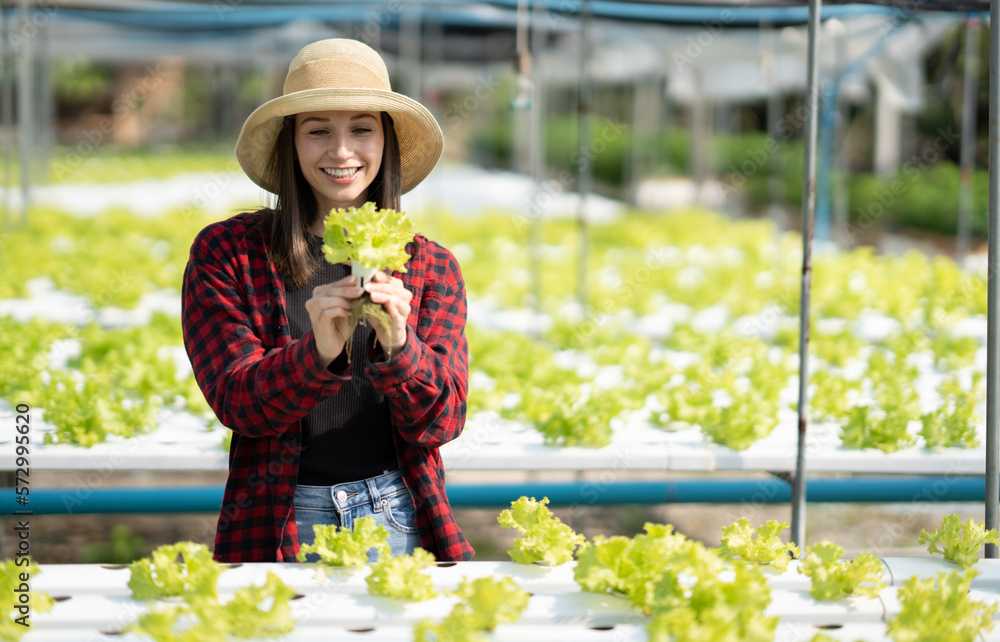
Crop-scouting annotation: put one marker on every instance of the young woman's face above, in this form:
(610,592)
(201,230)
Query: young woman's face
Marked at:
(340,153)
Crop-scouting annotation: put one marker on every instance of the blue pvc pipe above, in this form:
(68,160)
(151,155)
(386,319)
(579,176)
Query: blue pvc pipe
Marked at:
(208,499)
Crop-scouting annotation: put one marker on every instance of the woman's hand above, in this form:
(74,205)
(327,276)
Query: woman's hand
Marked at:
(328,310)
(395,299)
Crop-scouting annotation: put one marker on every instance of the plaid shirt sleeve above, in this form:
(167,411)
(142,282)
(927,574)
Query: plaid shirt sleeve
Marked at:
(426,382)
(227,322)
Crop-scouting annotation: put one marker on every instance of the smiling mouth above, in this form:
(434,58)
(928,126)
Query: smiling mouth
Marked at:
(341,173)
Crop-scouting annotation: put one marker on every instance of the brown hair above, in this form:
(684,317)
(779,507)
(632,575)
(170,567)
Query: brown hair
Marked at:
(295,209)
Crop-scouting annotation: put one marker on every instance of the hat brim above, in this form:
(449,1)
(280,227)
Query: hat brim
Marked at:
(420,139)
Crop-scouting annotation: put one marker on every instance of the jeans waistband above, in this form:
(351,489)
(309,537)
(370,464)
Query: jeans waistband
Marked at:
(355,493)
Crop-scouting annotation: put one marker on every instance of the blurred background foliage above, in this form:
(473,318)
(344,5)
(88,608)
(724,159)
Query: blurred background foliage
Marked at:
(193,126)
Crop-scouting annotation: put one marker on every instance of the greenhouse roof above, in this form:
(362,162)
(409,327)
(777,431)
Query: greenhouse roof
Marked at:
(227,15)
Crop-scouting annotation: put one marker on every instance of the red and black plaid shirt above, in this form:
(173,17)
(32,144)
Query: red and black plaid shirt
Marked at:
(260,383)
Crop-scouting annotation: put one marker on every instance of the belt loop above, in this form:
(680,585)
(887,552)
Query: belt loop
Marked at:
(373,493)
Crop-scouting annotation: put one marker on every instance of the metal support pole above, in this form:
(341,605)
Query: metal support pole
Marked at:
(798,530)
(585,168)
(841,170)
(993,288)
(45,107)
(633,168)
(536,147)
(410,51)
(6,113)
(25,89)
(970,102)
(775,182)
(826,159)
(699,135)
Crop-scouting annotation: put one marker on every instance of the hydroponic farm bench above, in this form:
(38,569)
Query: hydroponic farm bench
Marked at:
(182,443)
(94,602)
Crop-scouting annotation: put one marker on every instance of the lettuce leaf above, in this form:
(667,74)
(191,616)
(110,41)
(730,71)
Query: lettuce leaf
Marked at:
(959,542)
(490,601)
(738,541)
(191,622)
(184,569)
(544,537)
(341,547)
(254,612)
(457,626)
(716,610)
(248,615)
(375,238)
(940,610)
(400,577)
(833,579)
(486,602)
(602,566)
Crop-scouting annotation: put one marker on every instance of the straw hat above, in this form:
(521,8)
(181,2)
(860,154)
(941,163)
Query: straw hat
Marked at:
(340,74)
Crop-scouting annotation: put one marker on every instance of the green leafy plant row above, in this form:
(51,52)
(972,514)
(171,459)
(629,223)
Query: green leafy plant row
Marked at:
(685,590)
(186,571)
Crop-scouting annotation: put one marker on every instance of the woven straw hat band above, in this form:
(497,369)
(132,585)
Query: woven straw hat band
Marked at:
(340,74)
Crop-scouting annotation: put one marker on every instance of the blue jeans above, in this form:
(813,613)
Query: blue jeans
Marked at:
(383,497)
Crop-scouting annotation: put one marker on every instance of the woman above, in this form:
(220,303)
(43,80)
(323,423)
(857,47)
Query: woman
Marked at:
(319,438)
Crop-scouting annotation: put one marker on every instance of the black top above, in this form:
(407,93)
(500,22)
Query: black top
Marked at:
(348,436)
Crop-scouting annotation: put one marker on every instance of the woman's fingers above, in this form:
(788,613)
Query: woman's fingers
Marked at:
(329,309)
(346,287)
(392,302)
(388,285)
(394,298)
(320,305)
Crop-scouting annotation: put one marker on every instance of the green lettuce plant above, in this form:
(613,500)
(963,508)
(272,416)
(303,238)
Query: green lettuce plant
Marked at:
(400,577)
(254,612)
(544,537)
(957,541)
(184,569)
(371,239)
(485,603)
(762,545)
(347,547)
(833,579)
(940,610)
